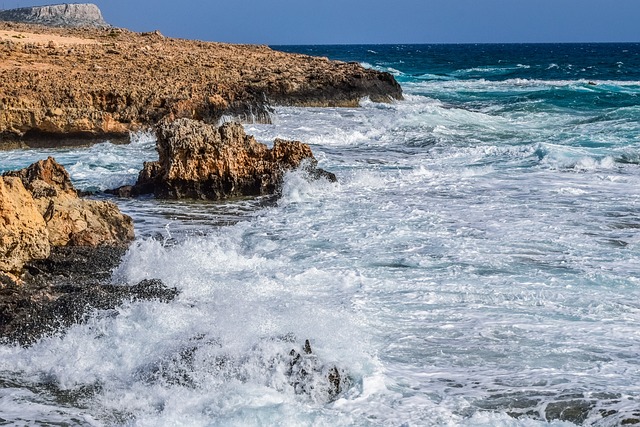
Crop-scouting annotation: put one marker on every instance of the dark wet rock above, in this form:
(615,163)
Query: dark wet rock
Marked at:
(202,161)
(575,407)
(575,411)
(64,289)
(191,364)
(306,373)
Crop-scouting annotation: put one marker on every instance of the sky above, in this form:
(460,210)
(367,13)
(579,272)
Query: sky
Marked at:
(375,21)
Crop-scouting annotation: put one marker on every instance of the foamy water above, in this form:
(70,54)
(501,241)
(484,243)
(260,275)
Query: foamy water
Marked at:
(477,264)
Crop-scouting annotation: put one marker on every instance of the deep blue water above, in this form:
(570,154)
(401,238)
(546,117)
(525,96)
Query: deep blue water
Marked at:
(583,63)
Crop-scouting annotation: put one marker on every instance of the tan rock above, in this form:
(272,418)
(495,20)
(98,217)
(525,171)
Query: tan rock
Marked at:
(69,219)
(202,161)
(23,232)
(79,222)
(110,82)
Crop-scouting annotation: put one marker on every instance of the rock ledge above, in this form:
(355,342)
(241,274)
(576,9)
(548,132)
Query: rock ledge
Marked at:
(61,83)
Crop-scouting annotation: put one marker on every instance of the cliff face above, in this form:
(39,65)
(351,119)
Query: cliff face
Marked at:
(62,83)
(60,15)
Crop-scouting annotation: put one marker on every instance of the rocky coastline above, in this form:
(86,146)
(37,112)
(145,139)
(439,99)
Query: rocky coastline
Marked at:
(64,85)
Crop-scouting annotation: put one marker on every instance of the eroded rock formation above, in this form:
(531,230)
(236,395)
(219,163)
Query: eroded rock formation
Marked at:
(23,231)
(57,252)
(202,161)
(40,209)
(92,83)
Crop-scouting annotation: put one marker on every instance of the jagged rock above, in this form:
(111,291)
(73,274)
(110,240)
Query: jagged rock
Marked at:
(69,219)
(202,161)
(23,231)
(304,372)
(80,84)
(60,15)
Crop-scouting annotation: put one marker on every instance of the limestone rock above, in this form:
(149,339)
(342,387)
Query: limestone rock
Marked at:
(23,232)
(45,178)
(202,161)
(61,83)
(69,219)
(60,15)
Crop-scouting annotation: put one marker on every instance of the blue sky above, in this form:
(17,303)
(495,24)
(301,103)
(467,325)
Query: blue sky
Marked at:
(376,21)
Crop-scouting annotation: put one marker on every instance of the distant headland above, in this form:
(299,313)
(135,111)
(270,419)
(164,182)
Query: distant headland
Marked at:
(59,15)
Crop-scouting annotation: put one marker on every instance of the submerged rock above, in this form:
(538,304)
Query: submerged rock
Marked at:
(202,360)
(202,161)
(306,374)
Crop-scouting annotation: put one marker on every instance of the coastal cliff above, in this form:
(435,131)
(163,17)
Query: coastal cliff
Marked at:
(65,83)
(59,15)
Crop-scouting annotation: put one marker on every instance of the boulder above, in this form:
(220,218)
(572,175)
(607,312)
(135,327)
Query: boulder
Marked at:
(69,219)
(202,161)
(23,231)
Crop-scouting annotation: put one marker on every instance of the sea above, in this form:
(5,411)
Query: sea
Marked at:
(476,264)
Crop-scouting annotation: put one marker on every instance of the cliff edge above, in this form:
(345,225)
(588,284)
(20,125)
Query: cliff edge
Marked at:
(58,84)
(59,15)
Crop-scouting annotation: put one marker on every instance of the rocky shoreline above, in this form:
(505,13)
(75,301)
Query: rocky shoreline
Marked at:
(64,84)
(57,250)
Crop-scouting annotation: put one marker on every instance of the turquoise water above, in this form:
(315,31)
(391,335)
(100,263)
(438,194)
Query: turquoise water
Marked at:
(478,262)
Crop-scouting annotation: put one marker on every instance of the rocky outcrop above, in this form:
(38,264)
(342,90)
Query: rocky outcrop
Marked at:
(69,219)
(57,84)
(60,15)
(202,161)
(23,231)
(280,362)
(40,209)
(57,252)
